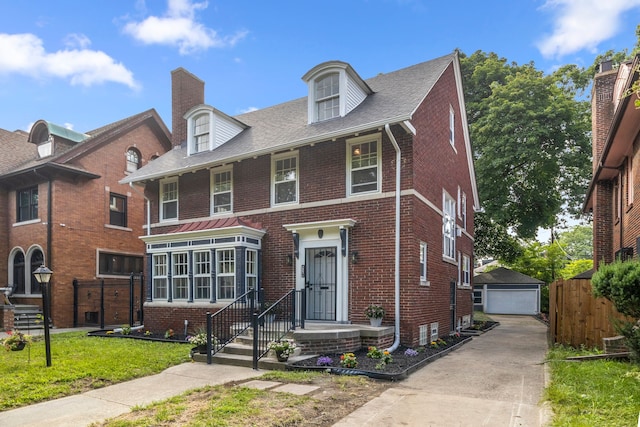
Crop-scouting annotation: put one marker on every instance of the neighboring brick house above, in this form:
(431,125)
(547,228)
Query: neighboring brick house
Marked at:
(63,205)
(304,195)
(616,160)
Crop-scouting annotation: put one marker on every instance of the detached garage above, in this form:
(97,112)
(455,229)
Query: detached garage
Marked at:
(504,291)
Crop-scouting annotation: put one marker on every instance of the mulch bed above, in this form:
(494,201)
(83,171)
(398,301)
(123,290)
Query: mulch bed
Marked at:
(140,335)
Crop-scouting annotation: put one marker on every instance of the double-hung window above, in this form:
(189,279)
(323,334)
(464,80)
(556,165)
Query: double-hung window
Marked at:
(27,204)
(226,274)
(201,133)
(449,227)
(251,269)
(160,276)
(285,179)
(117,210)
(169,199)
(327,97)
(222,196)
(202,275)
(364,165)
(423,263)
(466,271)
(180,277)
(452,126)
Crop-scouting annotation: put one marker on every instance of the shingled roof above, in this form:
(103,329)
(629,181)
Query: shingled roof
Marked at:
(504,276)
(285,126)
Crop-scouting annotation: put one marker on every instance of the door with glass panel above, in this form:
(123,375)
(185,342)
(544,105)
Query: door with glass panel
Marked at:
(320,283)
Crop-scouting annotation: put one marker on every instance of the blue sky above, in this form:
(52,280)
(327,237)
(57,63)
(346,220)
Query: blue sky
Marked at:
(86,64)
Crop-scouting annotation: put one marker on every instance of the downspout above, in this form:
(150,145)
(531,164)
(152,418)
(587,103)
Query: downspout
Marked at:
(396,342)
(148,207)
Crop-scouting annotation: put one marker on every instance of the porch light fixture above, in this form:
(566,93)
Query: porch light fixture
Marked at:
(43,276)
(354,257)
(289,259)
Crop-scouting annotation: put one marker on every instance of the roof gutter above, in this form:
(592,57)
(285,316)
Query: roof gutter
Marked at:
(387,129)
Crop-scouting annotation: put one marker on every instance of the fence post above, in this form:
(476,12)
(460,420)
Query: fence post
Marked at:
(141,299)
(75,303)
(131,299)
(256,332)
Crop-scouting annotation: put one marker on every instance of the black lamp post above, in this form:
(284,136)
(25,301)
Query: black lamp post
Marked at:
(43,276)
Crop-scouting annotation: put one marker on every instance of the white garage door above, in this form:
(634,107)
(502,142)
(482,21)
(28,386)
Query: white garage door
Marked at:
(512,301)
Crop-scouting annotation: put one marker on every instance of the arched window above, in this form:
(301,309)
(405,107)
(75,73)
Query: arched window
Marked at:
(18,272)
(37,259)
(133,160)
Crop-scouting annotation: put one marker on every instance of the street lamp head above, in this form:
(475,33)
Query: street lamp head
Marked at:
(43,274)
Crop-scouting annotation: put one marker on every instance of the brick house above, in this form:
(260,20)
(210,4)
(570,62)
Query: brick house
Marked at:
(362,192)
(63,205)
(616,156)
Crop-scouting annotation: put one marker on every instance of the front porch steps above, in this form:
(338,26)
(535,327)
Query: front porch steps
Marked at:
(240,353)
(27,317)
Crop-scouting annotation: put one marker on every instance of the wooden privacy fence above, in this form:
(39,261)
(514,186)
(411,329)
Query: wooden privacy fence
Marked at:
(576,317)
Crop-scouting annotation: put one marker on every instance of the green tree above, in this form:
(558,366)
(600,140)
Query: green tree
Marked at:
(577,242)
(540,261)
(575,267)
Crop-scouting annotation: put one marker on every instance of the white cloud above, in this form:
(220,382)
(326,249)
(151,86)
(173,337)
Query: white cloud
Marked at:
(77,40)
(582,24)
(179,27)
(25,54)
(249,110)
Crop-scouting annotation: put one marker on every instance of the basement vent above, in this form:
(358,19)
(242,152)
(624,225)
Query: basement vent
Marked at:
(434,331)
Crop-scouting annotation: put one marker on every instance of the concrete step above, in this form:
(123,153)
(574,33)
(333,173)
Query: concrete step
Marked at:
(27,317)
(268,363)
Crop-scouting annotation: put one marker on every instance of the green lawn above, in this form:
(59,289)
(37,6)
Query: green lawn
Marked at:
(79,363)
(593,393)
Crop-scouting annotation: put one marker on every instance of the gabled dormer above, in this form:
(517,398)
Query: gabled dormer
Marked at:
(51,138)
(208,128)
(334,90)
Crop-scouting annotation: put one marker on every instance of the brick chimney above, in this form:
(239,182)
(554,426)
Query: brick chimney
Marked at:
(602,112)
(187,91)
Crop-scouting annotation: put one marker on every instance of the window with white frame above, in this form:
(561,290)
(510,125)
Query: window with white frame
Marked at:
(180,276)
(424,335)
(630,184)
(285,179)
(251,269)
(463,210)
(201,132)
(423,263)
(327,97)
(169,199)
(434,331)
(133,160)
(466,271)
(222,197)
(477,297)
(363,165)
(160,276)
(202,275)
(225,274)
(448,227)
(452,126)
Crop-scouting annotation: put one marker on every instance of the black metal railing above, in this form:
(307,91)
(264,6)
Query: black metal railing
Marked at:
(229,322)
(274,323)
(268,324)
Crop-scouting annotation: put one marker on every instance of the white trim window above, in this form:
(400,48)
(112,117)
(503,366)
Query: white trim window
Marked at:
(363,165)
(251,269)
(169,199)
(463,210)
(221,190)
(423,264)
(202,275)
(284,173)
(452,126)
(180,276)
(327,97)
(466,271)
(225,274)
(160,276)
(448,227)
(201,132)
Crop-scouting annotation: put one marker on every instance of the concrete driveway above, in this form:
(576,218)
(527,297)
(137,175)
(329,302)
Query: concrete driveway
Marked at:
(497,379)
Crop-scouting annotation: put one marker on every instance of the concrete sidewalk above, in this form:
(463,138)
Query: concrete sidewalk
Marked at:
(497,379)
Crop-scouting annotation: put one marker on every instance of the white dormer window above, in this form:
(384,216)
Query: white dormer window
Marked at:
(328,97)
(201,130)
(335,89)
(208,128)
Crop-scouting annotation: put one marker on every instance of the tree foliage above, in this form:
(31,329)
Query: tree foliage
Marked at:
(577,242)
(495,240)
(531,142)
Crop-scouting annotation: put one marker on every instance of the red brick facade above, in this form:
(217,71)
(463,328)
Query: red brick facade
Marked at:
(72,231)
(614,192)
(430,165)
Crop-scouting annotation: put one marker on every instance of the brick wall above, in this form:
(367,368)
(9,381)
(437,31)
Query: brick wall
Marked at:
(187,91)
